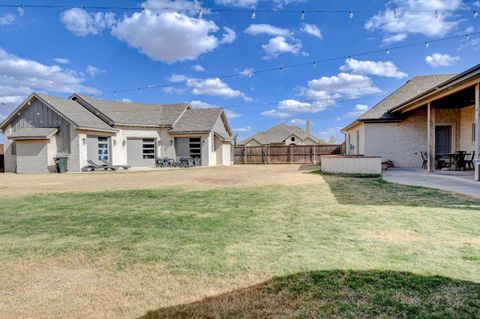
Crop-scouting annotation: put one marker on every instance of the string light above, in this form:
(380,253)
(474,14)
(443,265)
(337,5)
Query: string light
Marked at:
(200,13)
(302,16)
(436,14)
(314,64)
(254,15)
(350,14)
(475,13)
(427,44)
(317,61)
(395,13)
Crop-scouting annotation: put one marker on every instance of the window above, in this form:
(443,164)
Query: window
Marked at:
(474,129)
(103,149)
(195,147)
(148,148)
(14,147)
(292,139)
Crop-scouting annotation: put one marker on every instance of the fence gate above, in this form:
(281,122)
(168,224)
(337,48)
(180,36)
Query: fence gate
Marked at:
(284,154)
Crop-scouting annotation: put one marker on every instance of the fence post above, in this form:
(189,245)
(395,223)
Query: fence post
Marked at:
(268,154)
(245,155)
(291,154)
(314,161)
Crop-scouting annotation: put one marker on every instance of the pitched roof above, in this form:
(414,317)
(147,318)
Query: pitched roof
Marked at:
(412,88)
(129,113)
(197,120)
(278,134)
(32,133)
(75,112)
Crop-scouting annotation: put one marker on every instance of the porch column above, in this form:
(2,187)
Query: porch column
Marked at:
(431,137)
(477,129)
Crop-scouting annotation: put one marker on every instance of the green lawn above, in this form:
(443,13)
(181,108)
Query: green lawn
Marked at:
(345,247)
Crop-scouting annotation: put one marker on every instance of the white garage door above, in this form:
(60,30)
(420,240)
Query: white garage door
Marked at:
(141,152)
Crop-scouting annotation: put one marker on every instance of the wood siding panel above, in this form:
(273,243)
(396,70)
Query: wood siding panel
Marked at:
(40,115)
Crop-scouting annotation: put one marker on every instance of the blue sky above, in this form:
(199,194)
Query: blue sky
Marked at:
(99,51)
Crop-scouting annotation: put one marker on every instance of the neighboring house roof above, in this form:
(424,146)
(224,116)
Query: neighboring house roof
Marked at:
(411,89)
(135,114)
(34,133)
(278,134)
(70,110)
(197,120)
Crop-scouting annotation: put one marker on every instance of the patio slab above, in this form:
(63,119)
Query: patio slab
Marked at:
(457,182)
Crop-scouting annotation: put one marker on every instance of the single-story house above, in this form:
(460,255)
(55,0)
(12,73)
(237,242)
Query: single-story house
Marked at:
(283,134)
(436,114)
(83,128)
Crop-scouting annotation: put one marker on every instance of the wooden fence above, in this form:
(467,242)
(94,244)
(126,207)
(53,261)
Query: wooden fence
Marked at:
(2,163)
(284,154)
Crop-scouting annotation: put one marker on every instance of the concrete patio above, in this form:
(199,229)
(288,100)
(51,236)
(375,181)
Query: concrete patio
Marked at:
(461,182)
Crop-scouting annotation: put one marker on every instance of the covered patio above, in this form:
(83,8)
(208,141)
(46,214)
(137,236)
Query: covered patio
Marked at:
(452,120)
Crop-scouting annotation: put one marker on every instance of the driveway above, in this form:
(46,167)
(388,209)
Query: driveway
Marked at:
(13,185)
(457,182)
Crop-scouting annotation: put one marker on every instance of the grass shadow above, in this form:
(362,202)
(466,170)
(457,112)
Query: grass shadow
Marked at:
(374,190)
(339,294)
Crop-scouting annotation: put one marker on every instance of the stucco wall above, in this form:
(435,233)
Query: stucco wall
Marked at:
(351,165)
(226,154)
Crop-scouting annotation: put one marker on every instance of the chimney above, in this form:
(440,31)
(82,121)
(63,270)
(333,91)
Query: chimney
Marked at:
(308,128)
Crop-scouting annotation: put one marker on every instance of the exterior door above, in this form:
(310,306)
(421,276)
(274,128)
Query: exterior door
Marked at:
(98,148)
(141,152)
(443,139)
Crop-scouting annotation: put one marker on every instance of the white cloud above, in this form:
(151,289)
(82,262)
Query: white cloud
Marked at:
(125,100)
(82,23)
(197,104)
(276,114)
(416,17)
(438,59)
(19,77)
(93,71)
(298,122)
(176,78)
(342,85)
(394,38)
(312,30)
(231,114)
(242,129)
(198,68)
(62,60)
(238,3)
(357,111)
(386,69)
(279,44)
(7,18)
(229,36)
(256,29)
(153,34)
(293,106)
(213,87)
(184,6)
(248,72)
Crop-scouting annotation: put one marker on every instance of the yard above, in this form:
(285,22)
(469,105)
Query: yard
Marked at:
(253,241)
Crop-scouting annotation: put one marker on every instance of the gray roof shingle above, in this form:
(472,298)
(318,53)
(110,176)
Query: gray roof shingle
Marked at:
(412,88)
(197,120)
(130,113)
(278,134)
(75,112)
(33,133)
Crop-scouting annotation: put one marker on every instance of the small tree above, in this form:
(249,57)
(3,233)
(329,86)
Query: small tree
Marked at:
(332,140)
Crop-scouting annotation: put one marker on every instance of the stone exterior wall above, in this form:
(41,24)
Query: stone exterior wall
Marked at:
(351,164)
(355,140)
(467,118)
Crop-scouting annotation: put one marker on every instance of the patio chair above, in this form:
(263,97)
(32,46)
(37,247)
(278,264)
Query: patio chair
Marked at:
(459,161)
(93,166)
(469,161)
(109,165)
(424,159)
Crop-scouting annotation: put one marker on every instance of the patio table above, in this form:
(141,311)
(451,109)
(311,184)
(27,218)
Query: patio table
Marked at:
(450,157)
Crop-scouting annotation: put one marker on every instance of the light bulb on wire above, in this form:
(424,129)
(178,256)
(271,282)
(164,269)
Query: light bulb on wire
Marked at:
(350,14)
(21,10)
(302,15)
(254,15)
